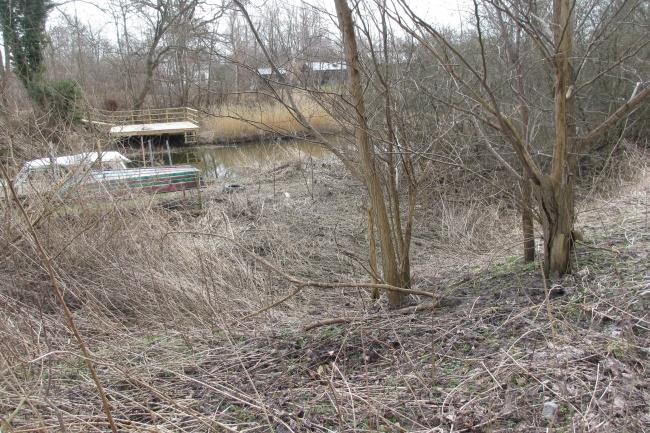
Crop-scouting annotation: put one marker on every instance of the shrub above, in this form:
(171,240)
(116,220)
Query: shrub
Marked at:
(62,98)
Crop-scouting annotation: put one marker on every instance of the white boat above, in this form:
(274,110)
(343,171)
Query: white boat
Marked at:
(93,172)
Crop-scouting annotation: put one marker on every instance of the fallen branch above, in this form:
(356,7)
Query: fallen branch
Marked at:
(597,248)
(339,320)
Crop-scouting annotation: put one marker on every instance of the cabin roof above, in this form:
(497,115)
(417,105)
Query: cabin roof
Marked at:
(326,66)
(269,71)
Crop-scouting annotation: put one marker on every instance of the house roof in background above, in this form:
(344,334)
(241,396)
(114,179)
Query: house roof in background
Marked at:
(326,66)
(269,71)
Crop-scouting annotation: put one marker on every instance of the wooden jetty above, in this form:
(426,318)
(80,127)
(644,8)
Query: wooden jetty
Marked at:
(151,122)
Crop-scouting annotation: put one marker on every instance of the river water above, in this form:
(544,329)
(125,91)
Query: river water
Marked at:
(222,161)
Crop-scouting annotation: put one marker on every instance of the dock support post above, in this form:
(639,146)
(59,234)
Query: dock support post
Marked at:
(144,157)
(169,152)
(150,153)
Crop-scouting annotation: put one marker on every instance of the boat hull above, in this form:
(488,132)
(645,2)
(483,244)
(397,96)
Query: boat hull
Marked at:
(146,180)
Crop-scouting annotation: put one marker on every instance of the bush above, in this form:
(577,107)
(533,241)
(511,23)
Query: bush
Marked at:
(62,98)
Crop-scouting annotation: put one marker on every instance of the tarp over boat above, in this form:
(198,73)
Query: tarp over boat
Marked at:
(79,159)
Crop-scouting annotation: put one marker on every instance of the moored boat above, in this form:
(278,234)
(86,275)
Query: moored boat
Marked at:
(98,172)
(145,179)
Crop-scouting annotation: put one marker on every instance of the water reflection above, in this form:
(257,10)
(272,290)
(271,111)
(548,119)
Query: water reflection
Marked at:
(219,162)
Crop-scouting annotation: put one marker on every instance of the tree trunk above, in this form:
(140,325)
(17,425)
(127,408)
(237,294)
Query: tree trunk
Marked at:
(7,64)
(146,88)
(392,274)
(527,223)
(555,192)
(556,204)
(513,40)
(3,83)
(527,226)
(405,273)
(372,253)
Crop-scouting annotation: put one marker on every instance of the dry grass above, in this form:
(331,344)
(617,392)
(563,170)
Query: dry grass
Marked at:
(250,121)
(163,309)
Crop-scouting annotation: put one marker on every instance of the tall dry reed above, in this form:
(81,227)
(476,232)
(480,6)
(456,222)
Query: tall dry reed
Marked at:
(247,121)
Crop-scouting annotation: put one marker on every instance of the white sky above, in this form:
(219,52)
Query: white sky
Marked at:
(90,12)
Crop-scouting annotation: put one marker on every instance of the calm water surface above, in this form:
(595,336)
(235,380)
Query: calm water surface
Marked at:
(221,162)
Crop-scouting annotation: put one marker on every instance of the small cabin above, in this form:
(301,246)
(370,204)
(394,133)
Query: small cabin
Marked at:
(271,74)
(320,73)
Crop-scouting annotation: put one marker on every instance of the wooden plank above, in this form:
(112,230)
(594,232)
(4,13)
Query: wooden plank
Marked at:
(153,129)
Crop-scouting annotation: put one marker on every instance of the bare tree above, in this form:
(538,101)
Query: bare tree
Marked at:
(380,154)
(393,241)
(554,189)
(159,18)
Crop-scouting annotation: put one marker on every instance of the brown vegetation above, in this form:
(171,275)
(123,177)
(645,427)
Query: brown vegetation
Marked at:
(370,280)
(166,311)
(237,122)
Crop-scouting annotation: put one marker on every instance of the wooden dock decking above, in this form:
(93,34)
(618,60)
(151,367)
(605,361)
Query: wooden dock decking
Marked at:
(149,122)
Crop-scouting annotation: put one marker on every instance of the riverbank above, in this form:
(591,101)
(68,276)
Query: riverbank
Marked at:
(174,301)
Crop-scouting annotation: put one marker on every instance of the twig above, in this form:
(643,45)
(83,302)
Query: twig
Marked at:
(47,261)
(7,421)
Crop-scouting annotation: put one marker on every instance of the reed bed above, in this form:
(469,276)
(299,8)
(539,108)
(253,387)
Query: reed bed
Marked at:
(249,121)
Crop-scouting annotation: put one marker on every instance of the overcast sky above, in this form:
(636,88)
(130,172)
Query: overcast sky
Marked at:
(89,12)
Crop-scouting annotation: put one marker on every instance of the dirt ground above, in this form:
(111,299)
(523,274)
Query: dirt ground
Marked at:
(498,350)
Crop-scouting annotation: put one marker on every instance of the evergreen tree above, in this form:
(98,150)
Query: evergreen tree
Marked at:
(23,30)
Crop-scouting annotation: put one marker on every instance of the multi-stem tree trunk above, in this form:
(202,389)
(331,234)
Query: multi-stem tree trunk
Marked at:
(527,223)
(393,273)
(556,204)
(555,194)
